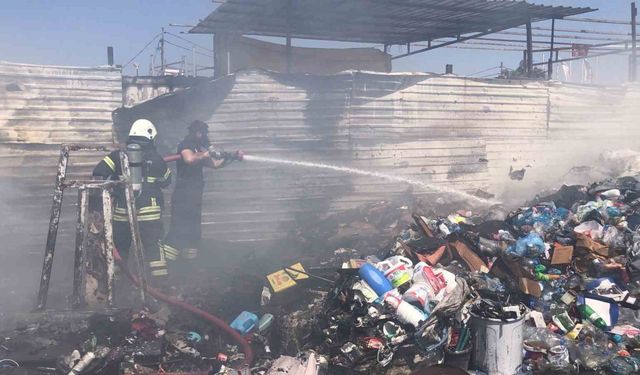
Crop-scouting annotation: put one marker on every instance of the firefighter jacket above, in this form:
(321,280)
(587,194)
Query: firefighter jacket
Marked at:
(156,176)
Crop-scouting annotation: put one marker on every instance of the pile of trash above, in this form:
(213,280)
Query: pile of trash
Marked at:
(550,287)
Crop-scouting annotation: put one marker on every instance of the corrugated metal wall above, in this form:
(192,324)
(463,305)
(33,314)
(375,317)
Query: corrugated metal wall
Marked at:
(584,121)
(40,108)
(446,130)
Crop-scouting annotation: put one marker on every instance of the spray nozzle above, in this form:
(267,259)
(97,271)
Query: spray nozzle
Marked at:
(223,155)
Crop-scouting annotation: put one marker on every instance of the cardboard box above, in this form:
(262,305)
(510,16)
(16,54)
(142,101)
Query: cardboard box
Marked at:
(592,245)
(530,287)
(562,254)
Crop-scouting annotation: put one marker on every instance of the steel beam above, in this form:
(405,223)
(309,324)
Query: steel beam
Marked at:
(462,39)
(583,57)
(529,54)
(633,68)
(550,63)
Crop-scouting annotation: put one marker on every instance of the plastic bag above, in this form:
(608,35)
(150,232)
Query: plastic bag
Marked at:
(531,246)
(591,229)
(441,281)
(420,293)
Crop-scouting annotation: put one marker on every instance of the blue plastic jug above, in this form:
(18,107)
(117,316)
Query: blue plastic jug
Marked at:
(375,278)
(245,322)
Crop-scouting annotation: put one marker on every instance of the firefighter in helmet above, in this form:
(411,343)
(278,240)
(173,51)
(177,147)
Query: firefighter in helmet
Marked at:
(148,199)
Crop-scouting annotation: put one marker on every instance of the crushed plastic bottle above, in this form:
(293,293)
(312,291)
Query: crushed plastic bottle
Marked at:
(624,365)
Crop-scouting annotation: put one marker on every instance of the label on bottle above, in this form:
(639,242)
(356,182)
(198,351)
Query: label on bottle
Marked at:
(594,316)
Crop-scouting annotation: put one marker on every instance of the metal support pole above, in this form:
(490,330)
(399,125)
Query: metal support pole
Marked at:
(162,52)
(288,54)
(386,47)
(216,56)
(80,259)
(553,34)
(634,56)
(193,61)
(529,59)
(110,56)
(288,51)
(107,213)
(408,47)
(133,225)
(52,235)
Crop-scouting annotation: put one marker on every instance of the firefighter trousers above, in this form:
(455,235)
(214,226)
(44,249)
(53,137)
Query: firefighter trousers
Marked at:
(151,233)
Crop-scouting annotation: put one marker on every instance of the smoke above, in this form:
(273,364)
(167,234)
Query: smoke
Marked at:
(590,136)
(22,236)
(17,288)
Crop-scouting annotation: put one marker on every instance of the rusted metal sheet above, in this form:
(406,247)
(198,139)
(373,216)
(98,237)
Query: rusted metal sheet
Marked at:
(42,107)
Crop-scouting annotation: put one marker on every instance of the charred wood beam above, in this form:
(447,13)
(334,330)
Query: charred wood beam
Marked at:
(107,211)
(80,258)
(52,234)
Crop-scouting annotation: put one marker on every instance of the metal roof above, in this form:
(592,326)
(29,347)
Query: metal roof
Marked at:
(375,21)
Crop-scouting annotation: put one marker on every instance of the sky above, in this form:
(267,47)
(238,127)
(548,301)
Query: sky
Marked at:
(77,33)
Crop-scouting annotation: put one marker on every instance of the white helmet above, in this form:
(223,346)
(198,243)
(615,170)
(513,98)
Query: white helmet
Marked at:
(143,128)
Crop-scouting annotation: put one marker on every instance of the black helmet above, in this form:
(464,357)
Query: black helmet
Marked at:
(198,126)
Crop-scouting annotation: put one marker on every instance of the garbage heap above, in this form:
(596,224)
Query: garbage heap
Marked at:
(549,287)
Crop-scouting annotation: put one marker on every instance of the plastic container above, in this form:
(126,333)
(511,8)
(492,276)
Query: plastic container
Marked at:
(457,359)
(397,269)
(375,278)
(245,322)
(406,312)
(497,344)
(265,322)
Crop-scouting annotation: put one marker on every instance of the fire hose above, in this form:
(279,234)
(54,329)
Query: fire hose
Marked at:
(218,155)
(219,323)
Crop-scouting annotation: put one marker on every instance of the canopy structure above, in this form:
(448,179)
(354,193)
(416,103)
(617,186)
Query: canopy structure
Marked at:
(375,21)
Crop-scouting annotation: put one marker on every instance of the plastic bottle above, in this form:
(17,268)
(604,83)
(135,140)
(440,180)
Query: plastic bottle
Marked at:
(406,312)
(265,322)
(619,365)
(564,321)
(375,278)
(588,313)
(558,356)
(397,269)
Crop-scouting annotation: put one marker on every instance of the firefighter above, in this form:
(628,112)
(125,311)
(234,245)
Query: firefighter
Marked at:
(185,234)
(149,199)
